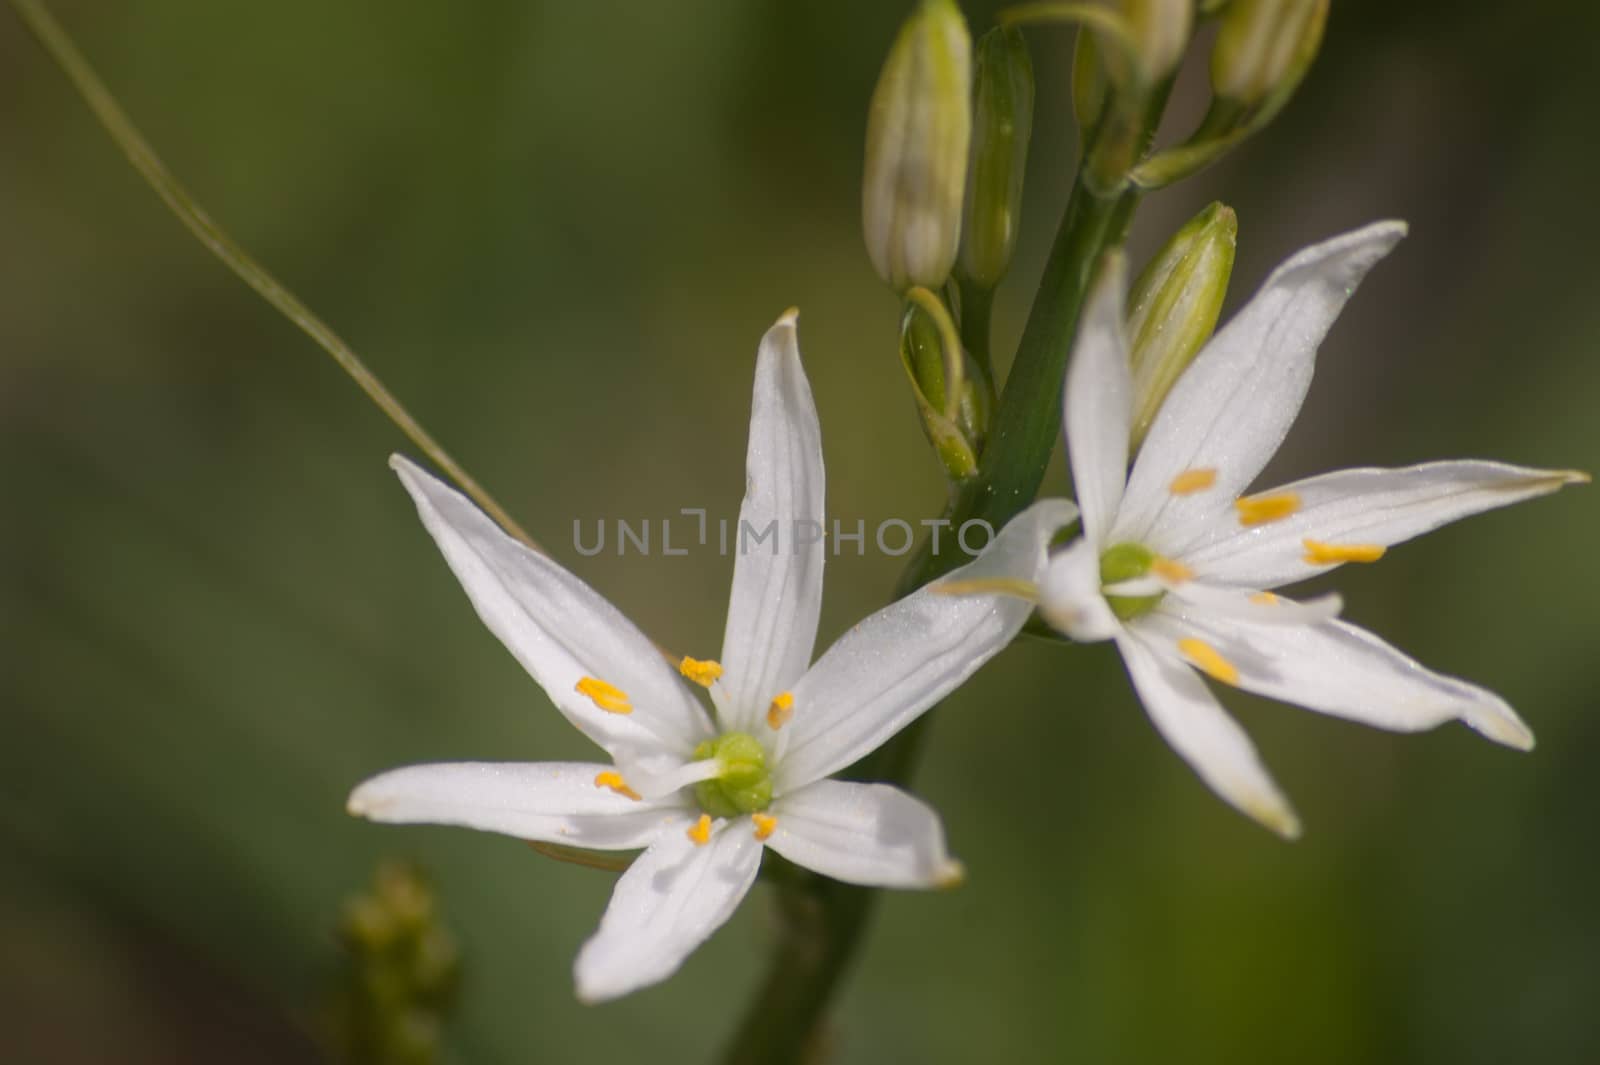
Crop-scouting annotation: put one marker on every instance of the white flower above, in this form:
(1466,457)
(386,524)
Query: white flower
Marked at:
(1176,562)
(703,793)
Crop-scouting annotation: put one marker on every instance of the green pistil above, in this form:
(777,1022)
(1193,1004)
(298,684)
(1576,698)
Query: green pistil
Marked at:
(744,786)
(1127,562)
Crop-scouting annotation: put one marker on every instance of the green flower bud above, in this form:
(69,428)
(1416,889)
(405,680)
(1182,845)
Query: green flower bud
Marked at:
(918,128)
(1002,121)
(1174,306)
(1263,46)
(1160,31)
(950,388)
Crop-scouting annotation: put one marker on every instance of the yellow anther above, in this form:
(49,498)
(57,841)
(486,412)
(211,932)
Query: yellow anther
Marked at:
(781,710)
(1321,554)
(1189,482)
(1209,660)
(608,698)
(765,824)
(700,831)
(1171,570)
(613,780)
(1259,510)
(1265,599)
(704,673)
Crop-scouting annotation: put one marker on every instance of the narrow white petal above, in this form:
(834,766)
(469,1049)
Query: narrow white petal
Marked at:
(1337,668)
(560,629)
(1365,506)
(1098,402)
(670,900)
(556,802)
(1230,409)
(654,784)
(1070,598)
(1261,607)
(777,583)
(882,674)
(869,834)
(1200,730)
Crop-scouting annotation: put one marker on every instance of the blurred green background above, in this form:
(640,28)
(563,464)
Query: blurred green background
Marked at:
(558,230)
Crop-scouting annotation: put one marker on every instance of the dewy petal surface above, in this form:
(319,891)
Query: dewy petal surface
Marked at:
(897,663)
(1369,506)
(777,585)
(1098,403)
(560,629)
(1230,410)
(1338,668)
(556,802)
(869,834)
(670,900)
(1186,714)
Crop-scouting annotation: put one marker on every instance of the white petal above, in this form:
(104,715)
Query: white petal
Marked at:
(777,584)
(1070,599)
(1337,668)
(556,802)
(1366,506)
(670,900)
(897,663)
(1203,734)
(561,630)
(1261,607)
(870,834)
(1230,409)
(1098,402)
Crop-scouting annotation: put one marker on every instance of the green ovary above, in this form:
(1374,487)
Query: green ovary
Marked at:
(1126,562)
(745,784)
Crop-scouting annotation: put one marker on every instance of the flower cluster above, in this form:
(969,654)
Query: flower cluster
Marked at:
(1177,563)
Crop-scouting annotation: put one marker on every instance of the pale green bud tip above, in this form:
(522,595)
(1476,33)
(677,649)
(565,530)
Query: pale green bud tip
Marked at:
(1262,44)
(744,785)
(1174,306)
(918,129)
(1002,122)
(1160,32)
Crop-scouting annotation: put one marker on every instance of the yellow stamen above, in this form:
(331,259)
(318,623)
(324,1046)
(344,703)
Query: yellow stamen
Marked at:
(610,699)
(1265,599)
(1259,510)
(1171,570)
(1209,660)
(703,672)
(765,824)
(700,831)
(1321,554)
(781,710)
(613,780)
(1189,482)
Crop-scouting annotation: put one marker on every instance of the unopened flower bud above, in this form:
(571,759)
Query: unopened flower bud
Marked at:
(1173,308)
(1264,45)
(949,387)
(916,160)
(1002,122)
(1160,31)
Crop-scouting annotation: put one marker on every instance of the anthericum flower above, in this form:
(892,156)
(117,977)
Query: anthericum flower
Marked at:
(1177,561)
(704,793)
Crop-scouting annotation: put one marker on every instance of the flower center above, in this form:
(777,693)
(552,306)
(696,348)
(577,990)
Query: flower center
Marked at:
(745,784)
(1127,561)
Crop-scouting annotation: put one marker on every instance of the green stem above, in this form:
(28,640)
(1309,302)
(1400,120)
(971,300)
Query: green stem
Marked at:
(977,306)
(155,173)
(823,920)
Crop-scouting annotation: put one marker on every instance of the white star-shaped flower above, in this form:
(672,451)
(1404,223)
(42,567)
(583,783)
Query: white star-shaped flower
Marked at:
(1176,562)
(704,793)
